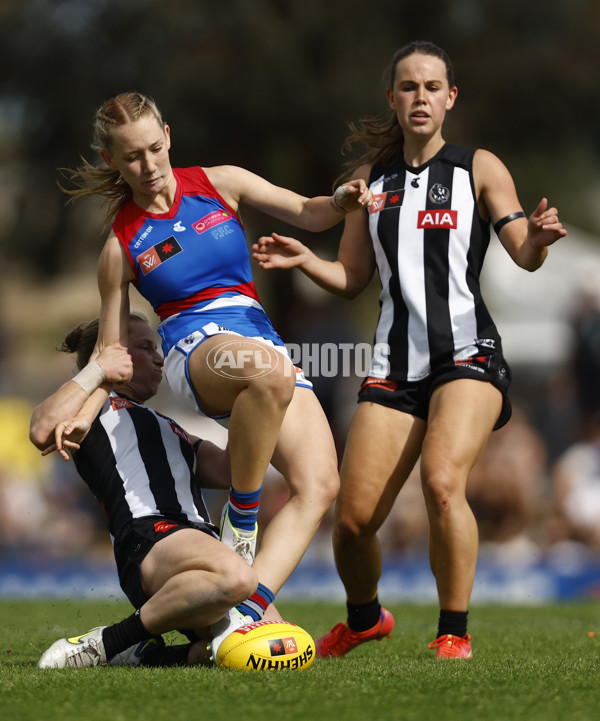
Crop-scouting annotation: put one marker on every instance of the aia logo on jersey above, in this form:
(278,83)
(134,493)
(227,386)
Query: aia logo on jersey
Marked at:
(119,404)
(384,201)
(209,221)
(437,219)
(162,251)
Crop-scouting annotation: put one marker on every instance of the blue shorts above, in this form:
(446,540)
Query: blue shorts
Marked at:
(244,321)
(229,313)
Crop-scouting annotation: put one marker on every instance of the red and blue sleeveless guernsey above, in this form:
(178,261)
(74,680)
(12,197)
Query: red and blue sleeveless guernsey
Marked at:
(186,258)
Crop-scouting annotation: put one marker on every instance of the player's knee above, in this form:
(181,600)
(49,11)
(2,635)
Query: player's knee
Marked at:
(351,528)
(238,582)
(439,488)
(329,485)
(277,386)
(318,487)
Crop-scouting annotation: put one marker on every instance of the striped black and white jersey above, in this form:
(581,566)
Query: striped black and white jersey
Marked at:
(140,463)
(430,243)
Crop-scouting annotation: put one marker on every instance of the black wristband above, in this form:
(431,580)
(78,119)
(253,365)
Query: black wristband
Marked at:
(507,218)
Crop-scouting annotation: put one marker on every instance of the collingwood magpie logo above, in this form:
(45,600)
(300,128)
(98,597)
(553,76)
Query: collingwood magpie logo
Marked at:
(438,193)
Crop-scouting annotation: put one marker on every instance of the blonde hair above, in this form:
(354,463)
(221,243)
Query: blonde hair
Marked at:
(101,180)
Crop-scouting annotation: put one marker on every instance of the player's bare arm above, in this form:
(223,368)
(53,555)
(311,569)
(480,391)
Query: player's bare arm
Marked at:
(526,240)
(114,276)
(239,186)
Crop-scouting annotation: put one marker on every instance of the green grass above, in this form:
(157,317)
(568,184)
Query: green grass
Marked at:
(530,663)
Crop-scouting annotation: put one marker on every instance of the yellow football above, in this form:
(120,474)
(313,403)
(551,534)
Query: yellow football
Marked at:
(267,646)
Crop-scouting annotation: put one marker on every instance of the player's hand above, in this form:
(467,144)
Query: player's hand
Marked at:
(353,195)
(544,226)
(68,436)
(116,363)
(279,251)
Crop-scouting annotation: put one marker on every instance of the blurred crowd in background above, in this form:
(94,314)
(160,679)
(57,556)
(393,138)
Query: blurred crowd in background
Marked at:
(535,490)
(271,85)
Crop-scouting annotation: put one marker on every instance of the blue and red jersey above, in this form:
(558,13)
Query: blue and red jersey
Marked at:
(190,255)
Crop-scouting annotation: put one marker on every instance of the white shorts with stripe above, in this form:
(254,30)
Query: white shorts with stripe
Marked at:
(177,359)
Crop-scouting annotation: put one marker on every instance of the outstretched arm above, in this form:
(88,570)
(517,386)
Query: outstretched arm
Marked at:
(239,186)
(525,239)
(347,276)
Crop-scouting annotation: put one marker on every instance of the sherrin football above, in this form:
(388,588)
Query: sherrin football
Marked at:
(267,646)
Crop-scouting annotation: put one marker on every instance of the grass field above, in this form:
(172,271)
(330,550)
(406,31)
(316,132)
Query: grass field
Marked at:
(530,663)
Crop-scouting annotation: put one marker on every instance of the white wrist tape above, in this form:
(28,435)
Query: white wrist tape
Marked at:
(91,377)
(340,193)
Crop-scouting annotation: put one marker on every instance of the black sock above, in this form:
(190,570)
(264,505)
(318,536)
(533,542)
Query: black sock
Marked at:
(122,635)
(452,622)
(166,655)
(363,616)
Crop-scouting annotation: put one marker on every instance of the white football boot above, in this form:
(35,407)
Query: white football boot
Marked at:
(241,541)
(76,652)
(223,628)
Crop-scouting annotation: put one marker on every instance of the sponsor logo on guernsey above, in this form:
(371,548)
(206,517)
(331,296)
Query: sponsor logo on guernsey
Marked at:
(438,193)
(143,237)
(475,363)
(151,259)
(179,431)
(164,526)
(387,200)
(119,404)
(209,221)
(383,383)
(178,228)
(437,219)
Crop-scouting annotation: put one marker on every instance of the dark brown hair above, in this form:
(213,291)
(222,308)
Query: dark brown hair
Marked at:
(82,339)
(381,134)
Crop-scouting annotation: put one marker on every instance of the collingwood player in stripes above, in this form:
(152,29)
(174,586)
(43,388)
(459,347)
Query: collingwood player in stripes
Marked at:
(145,471)
(443,388)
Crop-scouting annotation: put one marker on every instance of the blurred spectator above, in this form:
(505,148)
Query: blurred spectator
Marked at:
(586,353)
(507,490)
(42,500)
(23,510)
(576,473)
(576,487)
